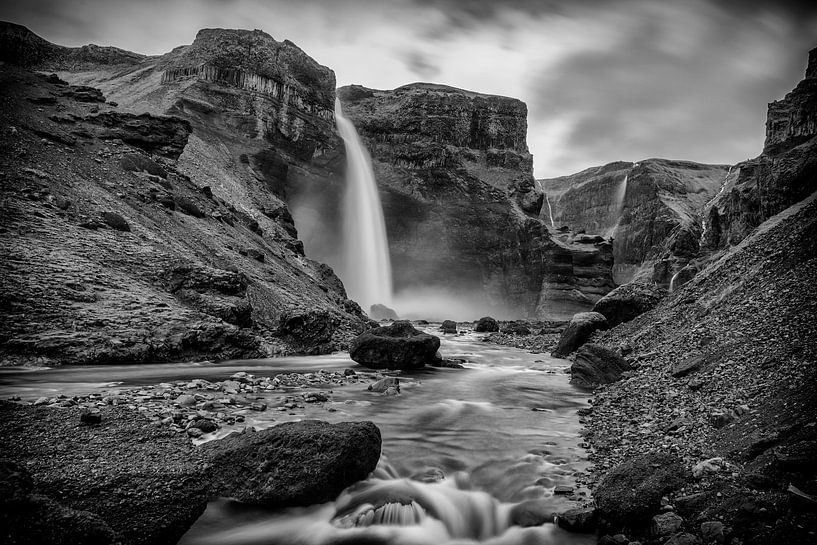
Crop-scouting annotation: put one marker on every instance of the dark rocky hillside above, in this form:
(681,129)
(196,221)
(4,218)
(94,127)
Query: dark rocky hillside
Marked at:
(133,237)
(720,391)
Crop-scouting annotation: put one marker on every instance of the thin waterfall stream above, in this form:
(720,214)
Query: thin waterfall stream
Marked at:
(366,270)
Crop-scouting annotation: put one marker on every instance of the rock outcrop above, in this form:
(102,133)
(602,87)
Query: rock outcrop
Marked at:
(117,198)
(783,174)
(397,346)
(651,209)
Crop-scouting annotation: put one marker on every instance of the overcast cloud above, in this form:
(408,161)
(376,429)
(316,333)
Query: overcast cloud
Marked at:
(604,81)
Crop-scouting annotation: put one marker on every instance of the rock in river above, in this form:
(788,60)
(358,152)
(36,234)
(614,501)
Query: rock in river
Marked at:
(486,324)
(295,463)
(398,346)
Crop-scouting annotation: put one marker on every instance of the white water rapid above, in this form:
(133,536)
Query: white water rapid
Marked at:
(366,265)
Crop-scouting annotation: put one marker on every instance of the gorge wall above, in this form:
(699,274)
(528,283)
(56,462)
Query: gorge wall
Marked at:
(461,207)
(258,114)
(651,209)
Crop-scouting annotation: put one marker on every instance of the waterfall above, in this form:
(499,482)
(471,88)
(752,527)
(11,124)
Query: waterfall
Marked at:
(550,212)
(621,192)
(367,269)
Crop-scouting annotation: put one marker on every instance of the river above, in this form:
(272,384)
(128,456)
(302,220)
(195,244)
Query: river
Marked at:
(502,431)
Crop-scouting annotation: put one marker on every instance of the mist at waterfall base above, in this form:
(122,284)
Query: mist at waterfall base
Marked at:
(366,271)
(356,245)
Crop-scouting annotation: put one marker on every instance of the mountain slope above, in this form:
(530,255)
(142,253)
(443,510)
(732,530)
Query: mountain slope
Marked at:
(210,234)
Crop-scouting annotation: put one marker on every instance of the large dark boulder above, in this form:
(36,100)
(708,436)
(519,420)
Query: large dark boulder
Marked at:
(578,331)
(486,324)
(631,492)
(295,463)
(595,365)
(397,346)
(628,301)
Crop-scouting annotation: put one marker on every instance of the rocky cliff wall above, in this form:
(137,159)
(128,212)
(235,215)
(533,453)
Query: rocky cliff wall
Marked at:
(255,123)
(459,198)
(783,174)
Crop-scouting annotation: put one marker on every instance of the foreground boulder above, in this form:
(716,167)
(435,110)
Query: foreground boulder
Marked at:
(397,346)
(595,365)
(628,301)
(486,324)
(581,327)
(128,481)
(295,463)
(631,492)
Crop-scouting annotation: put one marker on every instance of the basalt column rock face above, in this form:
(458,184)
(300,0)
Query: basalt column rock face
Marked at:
(203,190)
(458,195)
(783,174)
(651,209)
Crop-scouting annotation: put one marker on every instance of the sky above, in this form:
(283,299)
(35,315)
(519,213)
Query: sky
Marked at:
(603,80)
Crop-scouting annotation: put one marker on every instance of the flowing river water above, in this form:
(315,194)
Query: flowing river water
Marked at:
(502,431)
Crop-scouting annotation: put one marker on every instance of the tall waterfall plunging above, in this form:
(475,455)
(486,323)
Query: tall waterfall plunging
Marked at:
(366,264)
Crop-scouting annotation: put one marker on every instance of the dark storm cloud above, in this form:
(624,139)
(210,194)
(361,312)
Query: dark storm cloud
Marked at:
(696,92)
(421,64)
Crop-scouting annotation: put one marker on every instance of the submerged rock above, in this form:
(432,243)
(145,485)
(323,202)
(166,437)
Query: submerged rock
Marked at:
(581,327)
(398,346)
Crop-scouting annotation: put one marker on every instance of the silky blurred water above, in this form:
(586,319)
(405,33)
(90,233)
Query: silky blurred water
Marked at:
(502,430)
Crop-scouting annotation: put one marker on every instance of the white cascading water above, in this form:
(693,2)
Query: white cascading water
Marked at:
(621,192)
(366,265)
(550,212)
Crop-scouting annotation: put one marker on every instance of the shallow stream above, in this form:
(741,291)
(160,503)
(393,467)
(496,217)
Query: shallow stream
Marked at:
(502,431)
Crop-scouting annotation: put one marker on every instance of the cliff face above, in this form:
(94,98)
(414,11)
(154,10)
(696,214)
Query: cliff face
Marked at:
(783,174)
(651,209)
(258,115)
(458,195)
